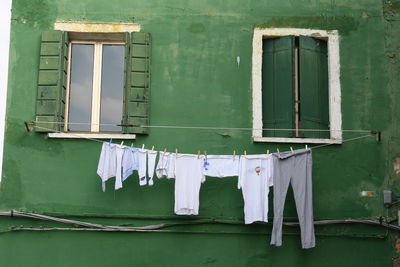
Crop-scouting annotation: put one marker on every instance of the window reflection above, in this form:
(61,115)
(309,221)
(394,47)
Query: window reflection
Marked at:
(112,87)
(81,86)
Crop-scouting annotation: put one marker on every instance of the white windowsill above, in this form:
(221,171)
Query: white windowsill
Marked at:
(297,140)
(92,135)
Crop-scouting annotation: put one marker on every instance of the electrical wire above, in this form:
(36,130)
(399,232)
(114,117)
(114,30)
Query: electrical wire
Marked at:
(150,228)
(208,127)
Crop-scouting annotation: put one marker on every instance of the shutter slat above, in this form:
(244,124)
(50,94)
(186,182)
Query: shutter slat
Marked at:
(277,86)
(137,83)
(50,104)
(314,94)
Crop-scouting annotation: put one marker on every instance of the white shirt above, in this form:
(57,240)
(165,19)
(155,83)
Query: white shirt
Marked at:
(255,178)
(188,179)
(221,165)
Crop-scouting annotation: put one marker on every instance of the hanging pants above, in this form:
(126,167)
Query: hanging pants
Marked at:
(293,168)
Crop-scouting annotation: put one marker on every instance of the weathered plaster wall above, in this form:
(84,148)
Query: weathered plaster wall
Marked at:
(196,81)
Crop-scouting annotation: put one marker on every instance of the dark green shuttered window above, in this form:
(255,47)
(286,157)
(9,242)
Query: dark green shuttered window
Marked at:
(295,92)
(137,89)
(52,82)
(278,84)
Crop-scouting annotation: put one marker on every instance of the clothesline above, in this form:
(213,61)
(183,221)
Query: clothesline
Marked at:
(372,133)
(211,128)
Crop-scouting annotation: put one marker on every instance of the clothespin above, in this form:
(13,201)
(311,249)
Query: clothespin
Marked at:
(234,154)
(122,143)
(143,146)
(152,148)
(205,154)
(306,147)
(176,153)
(110,140)
(291,148)
(277,149)
(245,153)
(198,154)
(267,151)
(165,150)
(132,144)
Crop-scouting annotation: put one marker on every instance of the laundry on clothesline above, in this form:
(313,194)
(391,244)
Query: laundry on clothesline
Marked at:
(256,174)
(255,178)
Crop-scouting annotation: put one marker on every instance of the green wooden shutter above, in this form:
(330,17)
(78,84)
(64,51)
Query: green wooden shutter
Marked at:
(137,85)
(278,86)
(50,100)
(314,94)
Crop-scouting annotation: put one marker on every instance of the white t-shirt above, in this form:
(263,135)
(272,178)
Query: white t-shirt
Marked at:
(221,165)
(255,178)
(188,179)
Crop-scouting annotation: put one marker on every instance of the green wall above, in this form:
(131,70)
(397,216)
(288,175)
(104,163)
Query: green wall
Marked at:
(196,82)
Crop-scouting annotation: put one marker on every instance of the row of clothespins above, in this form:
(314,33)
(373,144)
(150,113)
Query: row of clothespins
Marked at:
(205,152)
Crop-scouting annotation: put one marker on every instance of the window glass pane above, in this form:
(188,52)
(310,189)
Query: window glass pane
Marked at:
(80,98)
(112,88)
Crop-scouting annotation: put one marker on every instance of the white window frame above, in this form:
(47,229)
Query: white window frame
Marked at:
(93,27)
(335,114)
(96,85)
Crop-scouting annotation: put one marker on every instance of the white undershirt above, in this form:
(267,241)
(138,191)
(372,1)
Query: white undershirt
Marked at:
(188,179)
(255,178)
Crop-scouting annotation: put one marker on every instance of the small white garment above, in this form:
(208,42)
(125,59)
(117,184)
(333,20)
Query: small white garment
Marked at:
(151,164)
(142,156)
(255,178)
(118,172)
(107,166)
(130,162)
(221,165)
(188,179)
(166,165)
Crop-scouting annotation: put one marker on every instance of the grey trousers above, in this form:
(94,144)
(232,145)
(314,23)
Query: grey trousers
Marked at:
(294,168)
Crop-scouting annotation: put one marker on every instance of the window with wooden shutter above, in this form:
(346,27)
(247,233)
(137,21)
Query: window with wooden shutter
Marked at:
(314,98)
(137,85)
(93,82)
(51,90)
(295,93)
(277,84)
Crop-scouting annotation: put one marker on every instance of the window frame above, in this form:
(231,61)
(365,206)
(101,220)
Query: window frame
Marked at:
(96,86)
(88,28)
(335,115)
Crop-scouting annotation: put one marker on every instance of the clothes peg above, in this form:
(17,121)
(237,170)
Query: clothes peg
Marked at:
(267,151)
(277,149)
(143,146)
(306,147)
(176,153)
(205,154)
(234,154)
(132,144)
(152,148)
(245,153)
(110,140)
(291,148)
(122,143)
(198,154)
(165,150)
